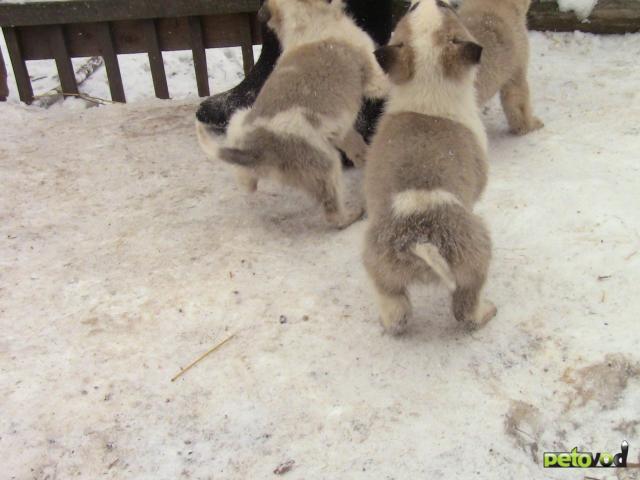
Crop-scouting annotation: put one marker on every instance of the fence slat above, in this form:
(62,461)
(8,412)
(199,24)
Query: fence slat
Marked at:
(108,52)
(155,59)
(19,66)
(4,86)
(63,60)
(199,56)
(247,46)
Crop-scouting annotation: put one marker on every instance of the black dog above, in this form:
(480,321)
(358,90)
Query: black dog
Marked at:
(372,16)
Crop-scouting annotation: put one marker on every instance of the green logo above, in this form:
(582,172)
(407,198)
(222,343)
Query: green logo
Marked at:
(576,459)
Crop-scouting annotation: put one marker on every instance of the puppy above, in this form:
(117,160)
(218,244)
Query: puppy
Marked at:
(308,106)
(500,26)
(426,168)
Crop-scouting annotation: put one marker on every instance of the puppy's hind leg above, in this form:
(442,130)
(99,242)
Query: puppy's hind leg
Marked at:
(395,311)
(354,147)
(470,274)
(392,298)
(516,103)
(326,187)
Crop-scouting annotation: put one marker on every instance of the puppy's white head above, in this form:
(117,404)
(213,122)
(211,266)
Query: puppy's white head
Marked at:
(294,17)
(430,42)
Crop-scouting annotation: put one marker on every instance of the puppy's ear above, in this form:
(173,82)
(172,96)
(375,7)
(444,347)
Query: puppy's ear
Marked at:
(396,61)
(387,56)
(471,52)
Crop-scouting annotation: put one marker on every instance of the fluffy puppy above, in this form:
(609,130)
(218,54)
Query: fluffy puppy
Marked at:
(500,26)
(308,106)
(426,168)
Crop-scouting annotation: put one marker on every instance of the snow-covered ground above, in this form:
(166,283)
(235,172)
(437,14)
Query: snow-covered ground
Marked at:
(124,255)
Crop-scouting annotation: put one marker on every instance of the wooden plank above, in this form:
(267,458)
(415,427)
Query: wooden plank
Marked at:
(75,11)
(63,60)
(108,53)
(224,29)
(20,72)
(199,56)
(256,29)
(608,17)
(128,36)
(155,60)
(247,46)
(4,85)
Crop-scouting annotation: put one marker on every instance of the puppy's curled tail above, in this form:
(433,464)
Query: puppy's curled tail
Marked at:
(236,156)
(432,257)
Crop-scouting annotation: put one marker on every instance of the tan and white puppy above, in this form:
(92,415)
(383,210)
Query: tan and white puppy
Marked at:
(308,106)
(500,26)
(426,168)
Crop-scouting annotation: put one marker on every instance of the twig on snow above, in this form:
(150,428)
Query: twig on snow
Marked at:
(82,74)
(57,94)
(202,357)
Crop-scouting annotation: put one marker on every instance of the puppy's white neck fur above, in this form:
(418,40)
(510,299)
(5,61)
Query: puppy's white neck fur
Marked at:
(439,97)
(298,29)
(430,92)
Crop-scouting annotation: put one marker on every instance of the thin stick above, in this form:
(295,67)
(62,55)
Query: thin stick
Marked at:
(84,96)
(82,74)
(202,357)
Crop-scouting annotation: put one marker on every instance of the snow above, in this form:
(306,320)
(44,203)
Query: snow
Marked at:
(582,8)
(124,255)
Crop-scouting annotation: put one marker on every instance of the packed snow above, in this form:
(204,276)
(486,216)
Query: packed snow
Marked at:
(125,255)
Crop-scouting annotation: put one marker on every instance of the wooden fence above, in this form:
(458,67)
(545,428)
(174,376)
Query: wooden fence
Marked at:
(62,30)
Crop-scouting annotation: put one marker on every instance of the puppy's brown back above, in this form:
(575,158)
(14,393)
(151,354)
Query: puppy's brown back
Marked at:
(421,152)
(325,78)
(423,176)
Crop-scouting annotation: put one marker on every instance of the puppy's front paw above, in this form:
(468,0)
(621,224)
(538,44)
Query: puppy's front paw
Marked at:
(396,326)
(531,126)
(486,311)
(395,313)
(345,219)
(246,181)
